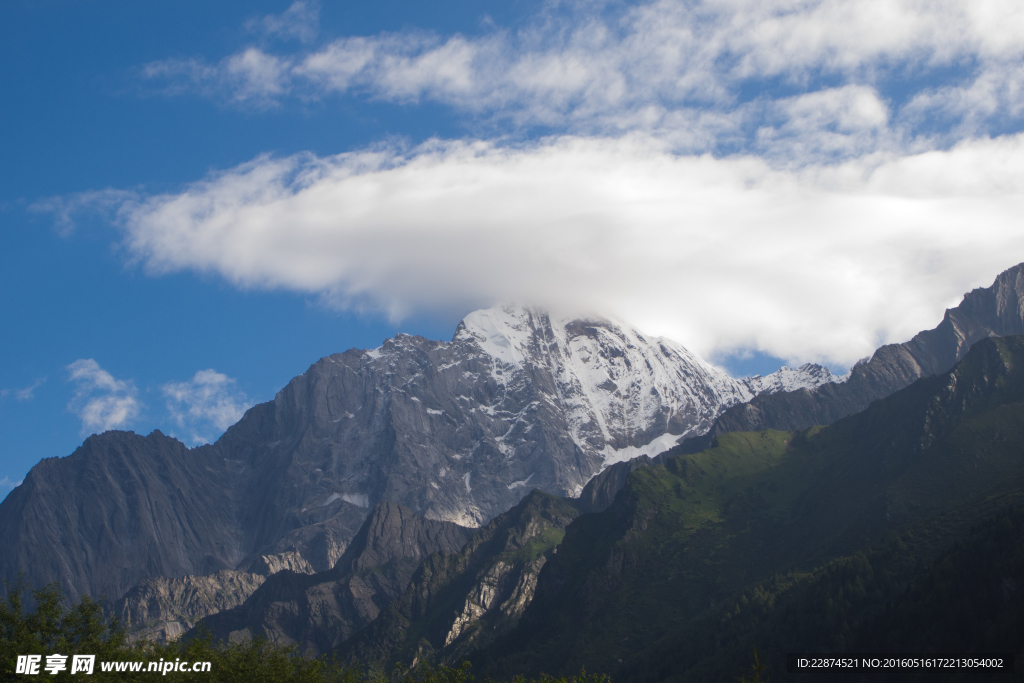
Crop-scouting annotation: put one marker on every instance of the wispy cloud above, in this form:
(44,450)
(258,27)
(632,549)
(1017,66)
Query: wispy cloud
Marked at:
(28,393)
(6,483)
(206,405)
(704,75)
(300,21)
(101,401)
(249,77)
(66,208)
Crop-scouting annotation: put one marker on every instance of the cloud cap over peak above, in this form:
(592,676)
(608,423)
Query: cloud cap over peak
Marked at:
(819,263)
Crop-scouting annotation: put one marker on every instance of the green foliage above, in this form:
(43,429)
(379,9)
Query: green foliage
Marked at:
(251,662)
(581,677)
(425,673)
(757,668)
(52,628)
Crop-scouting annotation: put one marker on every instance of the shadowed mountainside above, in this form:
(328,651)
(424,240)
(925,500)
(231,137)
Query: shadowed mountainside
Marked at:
(787,541)
(318,611)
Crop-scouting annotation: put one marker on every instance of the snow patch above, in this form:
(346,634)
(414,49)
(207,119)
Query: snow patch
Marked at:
(516,484)
(333,497)
(501,333)
(465,478)
(358,499)
(807,376)
(656,446)
(431,411)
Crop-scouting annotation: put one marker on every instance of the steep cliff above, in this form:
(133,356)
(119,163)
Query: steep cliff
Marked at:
(317,612)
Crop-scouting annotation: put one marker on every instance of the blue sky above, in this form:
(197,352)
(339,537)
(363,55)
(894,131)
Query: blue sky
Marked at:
(198,200)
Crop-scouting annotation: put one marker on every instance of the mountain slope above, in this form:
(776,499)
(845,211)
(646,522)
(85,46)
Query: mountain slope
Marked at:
(318,611)
(993,311)
(164,609)
(120,509)
(656,580)
(459,602)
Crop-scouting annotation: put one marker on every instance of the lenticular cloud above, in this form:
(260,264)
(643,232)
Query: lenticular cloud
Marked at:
(820,263)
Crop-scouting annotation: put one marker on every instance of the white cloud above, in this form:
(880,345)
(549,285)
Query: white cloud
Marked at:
(101,401)
(28,393)
(668,66)
(65,208)
(208,402)
(6,483)
(808,178)
(823,262)
(251,76)
(301,20)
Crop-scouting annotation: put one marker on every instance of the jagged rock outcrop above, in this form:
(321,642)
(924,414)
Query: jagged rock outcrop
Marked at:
(163,610)
(459,602)
(265,565)
(994,311)
(317,612)
(457,431)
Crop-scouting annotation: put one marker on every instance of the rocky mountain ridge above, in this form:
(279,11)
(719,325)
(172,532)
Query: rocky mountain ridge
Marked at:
(458,602)
(994,311)
(457,431)
(684,529)
(788,541)
(318,612)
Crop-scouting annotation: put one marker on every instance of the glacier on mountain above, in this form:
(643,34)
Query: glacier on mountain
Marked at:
(614,383)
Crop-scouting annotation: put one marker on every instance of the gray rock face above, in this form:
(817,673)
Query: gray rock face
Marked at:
(995,311)
(120,509)
(163,610)
(460,431)
(320,611)
(457,431)
(458,602)
(265,565)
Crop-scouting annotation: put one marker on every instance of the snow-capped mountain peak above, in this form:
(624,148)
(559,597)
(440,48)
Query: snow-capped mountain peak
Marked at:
(623,393)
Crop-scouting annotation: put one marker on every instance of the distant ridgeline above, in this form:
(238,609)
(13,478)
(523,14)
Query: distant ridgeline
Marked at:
(896,527)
